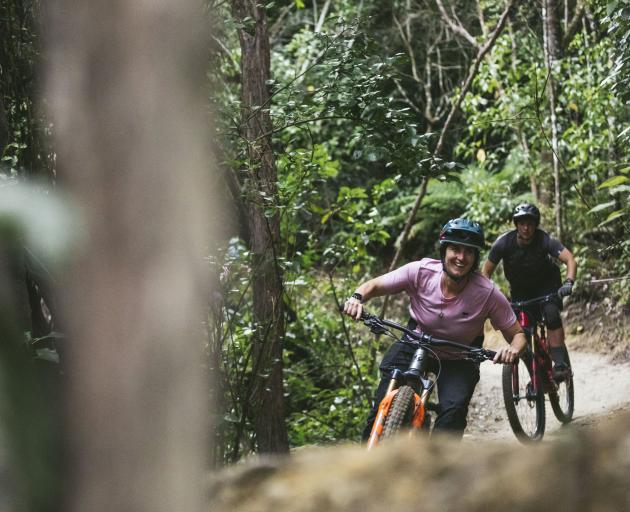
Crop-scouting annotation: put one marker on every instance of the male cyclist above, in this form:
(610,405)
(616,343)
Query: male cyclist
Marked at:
(528,253)
(448,299)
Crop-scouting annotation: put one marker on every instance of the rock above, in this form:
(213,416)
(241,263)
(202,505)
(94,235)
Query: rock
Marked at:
(586,471)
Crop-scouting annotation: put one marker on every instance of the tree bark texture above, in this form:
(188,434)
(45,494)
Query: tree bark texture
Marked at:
(126,87)
(266,398)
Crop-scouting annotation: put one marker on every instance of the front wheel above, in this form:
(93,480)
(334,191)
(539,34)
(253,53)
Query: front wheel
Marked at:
(400,412)
(525,408)
(562,400)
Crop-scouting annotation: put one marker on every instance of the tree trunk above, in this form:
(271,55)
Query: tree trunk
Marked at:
(533,185)
(126,88)
(4,127)
(266,398)
(551,31)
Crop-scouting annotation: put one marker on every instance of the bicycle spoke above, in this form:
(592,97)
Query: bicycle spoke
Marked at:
(524,406)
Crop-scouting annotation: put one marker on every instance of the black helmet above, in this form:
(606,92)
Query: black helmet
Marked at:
(526,210)
(463,232)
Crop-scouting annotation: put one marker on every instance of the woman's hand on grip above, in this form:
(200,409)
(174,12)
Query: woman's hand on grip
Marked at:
(353,308)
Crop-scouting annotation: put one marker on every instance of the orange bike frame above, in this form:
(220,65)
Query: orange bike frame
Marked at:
(383,411)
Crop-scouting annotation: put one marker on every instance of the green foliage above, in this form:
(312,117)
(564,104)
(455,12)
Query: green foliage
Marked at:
(42,221)
(328,390)
(327,387)
(493,195)
(343,150)
(618,19)
(507,116)
(352,145)
(331,90)
(28,152)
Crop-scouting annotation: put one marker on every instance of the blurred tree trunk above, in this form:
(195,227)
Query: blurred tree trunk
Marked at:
(266,397)
(125,85)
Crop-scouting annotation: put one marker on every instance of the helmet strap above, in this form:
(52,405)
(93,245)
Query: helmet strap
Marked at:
(454,278)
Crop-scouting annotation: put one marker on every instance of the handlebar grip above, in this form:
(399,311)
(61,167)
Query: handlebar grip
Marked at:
(364,314)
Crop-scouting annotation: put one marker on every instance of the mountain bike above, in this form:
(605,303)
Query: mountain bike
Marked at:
(406,401)
(526,382)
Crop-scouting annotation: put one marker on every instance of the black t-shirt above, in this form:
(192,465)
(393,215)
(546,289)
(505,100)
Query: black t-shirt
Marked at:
(529,269)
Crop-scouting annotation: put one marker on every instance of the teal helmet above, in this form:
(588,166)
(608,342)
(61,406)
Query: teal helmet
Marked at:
(463,232)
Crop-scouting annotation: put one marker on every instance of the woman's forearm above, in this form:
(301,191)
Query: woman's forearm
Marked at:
(370,289)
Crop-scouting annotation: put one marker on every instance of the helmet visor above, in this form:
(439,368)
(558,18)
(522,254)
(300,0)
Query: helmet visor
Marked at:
(462,237)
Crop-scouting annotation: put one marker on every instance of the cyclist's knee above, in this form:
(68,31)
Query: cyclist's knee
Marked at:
(552,316)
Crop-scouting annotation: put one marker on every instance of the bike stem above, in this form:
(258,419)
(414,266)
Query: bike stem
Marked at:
(418,364)
(414,376)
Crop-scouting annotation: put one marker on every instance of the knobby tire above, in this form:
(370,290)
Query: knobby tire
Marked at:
(400,412)
(526,415)
(562,402)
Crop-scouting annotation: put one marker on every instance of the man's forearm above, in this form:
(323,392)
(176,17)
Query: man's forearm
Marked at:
(571,269)
(488,269)
(568,259)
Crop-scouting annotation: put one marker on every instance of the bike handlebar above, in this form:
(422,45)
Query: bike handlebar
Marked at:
(377,325)
(538,300)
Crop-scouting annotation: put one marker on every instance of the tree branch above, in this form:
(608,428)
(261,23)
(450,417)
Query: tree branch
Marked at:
(456,27)
(482,21)
(473,71)
(573,25)
(465,87)
(406,97)
(322,17)
(412,57)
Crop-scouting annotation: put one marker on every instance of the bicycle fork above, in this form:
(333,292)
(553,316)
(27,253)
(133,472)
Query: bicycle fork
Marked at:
(543,358)
(540,363)
(540,360)
(415,378)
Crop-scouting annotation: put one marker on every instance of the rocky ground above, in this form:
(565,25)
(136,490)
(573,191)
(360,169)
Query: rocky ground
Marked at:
(602,388)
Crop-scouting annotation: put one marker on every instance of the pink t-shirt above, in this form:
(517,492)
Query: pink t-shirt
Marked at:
(460,318)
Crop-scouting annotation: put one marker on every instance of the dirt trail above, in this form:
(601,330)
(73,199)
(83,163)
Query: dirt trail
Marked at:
(602,388)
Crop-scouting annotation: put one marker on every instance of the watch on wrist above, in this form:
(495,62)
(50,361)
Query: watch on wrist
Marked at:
(358,296)
(569,280)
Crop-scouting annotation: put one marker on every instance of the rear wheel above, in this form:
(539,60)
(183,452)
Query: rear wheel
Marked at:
(562,400)
(525,408)
(400,412)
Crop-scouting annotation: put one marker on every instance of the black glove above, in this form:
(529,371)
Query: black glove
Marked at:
(566,289)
